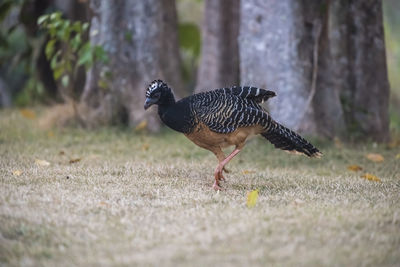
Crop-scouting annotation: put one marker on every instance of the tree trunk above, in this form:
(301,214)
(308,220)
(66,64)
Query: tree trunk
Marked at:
(319,56)
(275,53)
(141,41)
(219,66)
(5,98)
(360,61)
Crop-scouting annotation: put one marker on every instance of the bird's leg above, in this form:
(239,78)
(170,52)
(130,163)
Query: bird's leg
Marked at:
(218,171)
(220,156)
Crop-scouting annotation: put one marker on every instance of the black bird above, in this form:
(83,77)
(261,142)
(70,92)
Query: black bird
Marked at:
(224,117)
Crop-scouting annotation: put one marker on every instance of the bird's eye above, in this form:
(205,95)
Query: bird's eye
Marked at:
(157,95)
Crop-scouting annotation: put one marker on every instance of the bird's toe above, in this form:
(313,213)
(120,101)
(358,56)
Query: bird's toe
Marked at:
(217,187)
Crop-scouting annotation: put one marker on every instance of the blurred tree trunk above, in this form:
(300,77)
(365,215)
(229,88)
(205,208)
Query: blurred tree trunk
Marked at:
(140,38)
(5,97)
(219,66)
(325,59)
(276,52)
(359,62)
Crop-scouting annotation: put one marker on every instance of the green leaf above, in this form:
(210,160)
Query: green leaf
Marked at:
(100,54)
(76,42)
(57,72)
(85,55)
(85,26)
(55,16)
(76,26)
(54,60)
(65,80)
(49,50)
(42,19)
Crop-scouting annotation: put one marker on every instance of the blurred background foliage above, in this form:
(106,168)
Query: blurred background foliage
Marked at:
(391,13)
(23,44)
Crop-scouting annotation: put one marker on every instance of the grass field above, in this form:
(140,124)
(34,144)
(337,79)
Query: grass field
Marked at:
(116,197)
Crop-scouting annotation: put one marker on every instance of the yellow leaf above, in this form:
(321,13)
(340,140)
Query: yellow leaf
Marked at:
(74,160)
(28,113)
(354,168)
(375,157)
(252,198)
(141,126)
(371,177)
(247,172)
(17,173)
(398,156)
(145,147)
(50,134)
(41,162)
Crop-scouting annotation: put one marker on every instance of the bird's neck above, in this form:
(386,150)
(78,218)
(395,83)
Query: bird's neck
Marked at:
(168,100)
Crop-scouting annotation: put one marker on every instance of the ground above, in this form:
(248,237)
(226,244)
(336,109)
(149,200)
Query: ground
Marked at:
(119,197)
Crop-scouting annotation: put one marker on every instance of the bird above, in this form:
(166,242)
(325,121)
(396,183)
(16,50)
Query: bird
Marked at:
(224,117)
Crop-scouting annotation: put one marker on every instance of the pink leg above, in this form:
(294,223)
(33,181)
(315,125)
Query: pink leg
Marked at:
(218,171)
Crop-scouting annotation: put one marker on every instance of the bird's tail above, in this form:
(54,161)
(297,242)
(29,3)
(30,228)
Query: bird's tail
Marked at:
(286,139)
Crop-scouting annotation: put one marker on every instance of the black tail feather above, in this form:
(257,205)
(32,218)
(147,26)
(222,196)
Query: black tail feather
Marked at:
(286,139)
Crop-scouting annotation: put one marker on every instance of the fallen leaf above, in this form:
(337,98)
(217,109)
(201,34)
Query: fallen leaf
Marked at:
(141,126)
(41,162)
(61,153)
(354,168)
(247,172)
(74,160)
(252,198)
(375,157)
(145,147)
(50,134)
(17,173)
(398,156)
(371,177)
(28,113)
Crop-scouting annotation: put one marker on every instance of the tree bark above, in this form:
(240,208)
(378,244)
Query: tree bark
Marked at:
(5,97)
(276,51)
(325,59)
(141,41)
(359,58)
(219,66)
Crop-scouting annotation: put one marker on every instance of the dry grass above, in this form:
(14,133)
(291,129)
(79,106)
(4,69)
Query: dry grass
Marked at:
(136,199)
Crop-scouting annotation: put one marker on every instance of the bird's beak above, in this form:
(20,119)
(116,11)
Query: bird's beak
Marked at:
(148,103)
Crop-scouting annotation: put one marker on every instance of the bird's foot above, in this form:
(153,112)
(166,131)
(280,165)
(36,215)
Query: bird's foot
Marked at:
(218,175)
(216,186)
(221,177)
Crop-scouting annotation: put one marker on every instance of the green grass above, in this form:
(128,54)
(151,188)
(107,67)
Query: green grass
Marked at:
(140,199)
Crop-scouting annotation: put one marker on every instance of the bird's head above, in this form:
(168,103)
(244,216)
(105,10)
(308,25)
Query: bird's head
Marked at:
(155,93)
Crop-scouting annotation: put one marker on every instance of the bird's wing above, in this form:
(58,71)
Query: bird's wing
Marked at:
(225,112)
(247,92)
